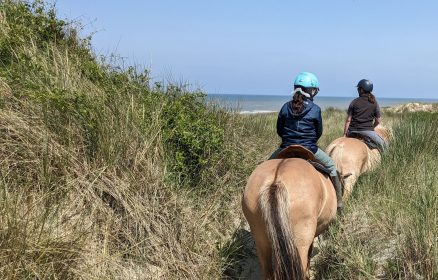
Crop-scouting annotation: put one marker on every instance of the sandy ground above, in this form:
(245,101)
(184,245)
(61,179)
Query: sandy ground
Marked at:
(248,267)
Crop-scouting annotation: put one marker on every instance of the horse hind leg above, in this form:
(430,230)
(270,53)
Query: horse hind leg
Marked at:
(349,182)
(262,243)
(309,254)
(264,254)
(305,251)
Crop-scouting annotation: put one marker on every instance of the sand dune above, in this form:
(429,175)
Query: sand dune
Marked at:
(414,107)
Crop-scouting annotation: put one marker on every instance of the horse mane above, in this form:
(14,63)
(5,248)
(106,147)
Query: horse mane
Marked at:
(274,205)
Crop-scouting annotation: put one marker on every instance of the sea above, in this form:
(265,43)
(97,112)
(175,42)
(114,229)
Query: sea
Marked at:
(253,104)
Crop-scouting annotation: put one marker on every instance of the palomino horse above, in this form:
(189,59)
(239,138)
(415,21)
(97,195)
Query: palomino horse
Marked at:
(352,157)
(287,203)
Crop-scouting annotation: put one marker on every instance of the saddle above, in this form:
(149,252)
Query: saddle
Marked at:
(297,151)
(366,140)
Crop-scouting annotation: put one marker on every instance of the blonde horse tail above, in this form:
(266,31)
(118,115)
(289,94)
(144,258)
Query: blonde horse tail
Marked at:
(336,152)
(274,204)
(331,148)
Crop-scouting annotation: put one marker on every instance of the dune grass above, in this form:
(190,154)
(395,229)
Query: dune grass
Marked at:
(389,229)
(104,173)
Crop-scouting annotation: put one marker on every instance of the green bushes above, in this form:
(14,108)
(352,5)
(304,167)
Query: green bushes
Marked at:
(27,26)
(28,22)
(102,166)
(193,135)
(83,100)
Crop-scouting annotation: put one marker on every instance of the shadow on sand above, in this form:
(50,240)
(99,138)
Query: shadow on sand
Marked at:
(241,254)
(242,262)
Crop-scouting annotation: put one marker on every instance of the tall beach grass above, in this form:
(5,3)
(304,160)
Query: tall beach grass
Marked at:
(389,229)
(106,174)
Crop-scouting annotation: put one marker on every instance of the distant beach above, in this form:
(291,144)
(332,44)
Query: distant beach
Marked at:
(252,104)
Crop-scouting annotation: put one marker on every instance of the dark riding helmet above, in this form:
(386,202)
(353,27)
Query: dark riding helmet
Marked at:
(366,85)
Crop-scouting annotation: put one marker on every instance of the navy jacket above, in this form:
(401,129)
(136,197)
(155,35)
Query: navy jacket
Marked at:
(302,129)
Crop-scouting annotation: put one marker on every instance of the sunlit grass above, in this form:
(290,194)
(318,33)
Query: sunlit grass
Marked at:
(391,221)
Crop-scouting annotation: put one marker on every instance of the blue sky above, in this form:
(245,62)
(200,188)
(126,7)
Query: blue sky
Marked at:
(257,47)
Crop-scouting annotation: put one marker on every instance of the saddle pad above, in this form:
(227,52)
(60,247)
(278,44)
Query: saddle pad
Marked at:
(321,168)
(297,151)
(366,140)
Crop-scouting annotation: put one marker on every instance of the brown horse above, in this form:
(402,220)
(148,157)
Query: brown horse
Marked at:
(353,157)
(287,203)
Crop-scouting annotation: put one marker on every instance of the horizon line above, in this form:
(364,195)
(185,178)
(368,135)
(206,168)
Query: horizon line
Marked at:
(337,96)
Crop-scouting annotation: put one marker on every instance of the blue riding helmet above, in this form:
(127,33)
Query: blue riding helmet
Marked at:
(307,80)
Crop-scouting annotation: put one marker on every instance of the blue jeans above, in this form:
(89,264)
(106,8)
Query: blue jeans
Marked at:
(373,135)
(320,156)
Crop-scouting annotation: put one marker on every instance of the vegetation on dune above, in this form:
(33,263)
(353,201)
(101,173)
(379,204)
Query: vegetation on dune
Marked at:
(106,174)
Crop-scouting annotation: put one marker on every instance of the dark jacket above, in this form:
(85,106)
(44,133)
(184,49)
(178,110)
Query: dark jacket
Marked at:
(302,129)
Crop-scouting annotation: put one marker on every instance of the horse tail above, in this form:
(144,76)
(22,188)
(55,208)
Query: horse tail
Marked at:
(331,148)
(336,151)
(274,204)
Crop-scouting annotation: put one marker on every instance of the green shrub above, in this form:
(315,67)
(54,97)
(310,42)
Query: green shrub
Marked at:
(193,135)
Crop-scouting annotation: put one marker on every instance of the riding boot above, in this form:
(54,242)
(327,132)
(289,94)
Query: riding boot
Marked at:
(338,188)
